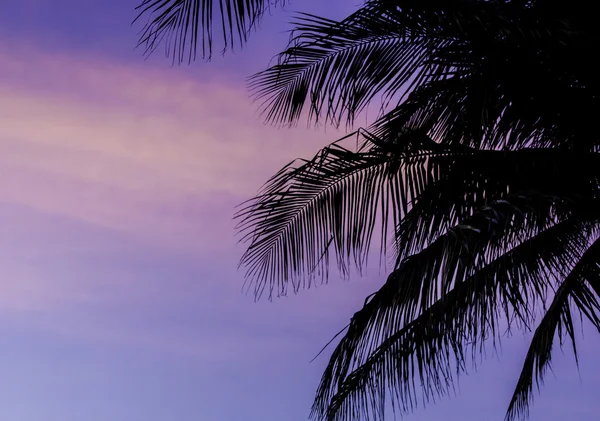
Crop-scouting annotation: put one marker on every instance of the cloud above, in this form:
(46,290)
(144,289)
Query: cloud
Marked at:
(152,152)
(118,186)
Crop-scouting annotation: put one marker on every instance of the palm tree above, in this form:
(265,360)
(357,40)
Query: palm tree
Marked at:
(484,171)
(481,178)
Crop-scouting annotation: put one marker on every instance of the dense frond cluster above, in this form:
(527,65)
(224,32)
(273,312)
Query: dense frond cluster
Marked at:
(483,169)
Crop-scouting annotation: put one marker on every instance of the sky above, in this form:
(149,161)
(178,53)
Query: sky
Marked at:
(120,297)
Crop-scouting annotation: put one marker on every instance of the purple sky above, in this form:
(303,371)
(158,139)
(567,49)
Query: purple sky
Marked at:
(119,294)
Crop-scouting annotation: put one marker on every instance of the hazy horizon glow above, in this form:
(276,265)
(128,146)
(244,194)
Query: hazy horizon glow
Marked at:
(120,299)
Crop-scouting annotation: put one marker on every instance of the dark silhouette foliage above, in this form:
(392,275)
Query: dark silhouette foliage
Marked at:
(482,172)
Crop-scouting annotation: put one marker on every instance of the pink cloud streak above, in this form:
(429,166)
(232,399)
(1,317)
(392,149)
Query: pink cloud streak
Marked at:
(152,152)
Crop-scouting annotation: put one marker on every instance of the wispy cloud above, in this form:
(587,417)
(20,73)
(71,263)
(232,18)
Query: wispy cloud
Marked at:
(130,147)
(108,167)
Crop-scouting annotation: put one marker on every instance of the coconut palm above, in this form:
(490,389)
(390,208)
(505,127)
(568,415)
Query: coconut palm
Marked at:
(480,179)
(483,241)
(482,171)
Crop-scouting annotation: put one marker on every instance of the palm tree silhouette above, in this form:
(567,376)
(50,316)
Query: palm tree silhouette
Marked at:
(482,172)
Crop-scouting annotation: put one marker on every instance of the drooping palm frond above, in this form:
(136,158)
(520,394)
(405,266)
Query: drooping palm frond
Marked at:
(389,48)
(578,292)
(330,202)
(340,67)
(398,337)
(186,26)
(329,206)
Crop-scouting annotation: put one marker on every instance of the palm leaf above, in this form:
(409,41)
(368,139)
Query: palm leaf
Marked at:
(330,205)
(341,67)
(332,201)
(392,340)
(574,290)
(186,26)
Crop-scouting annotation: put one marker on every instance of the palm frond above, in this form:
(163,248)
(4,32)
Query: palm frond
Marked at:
(331,202)
(398,337)
(384,48)
(574,291)
(339,68)
(186,26)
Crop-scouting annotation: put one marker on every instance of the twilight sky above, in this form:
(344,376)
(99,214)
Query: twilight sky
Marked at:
(119,294)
